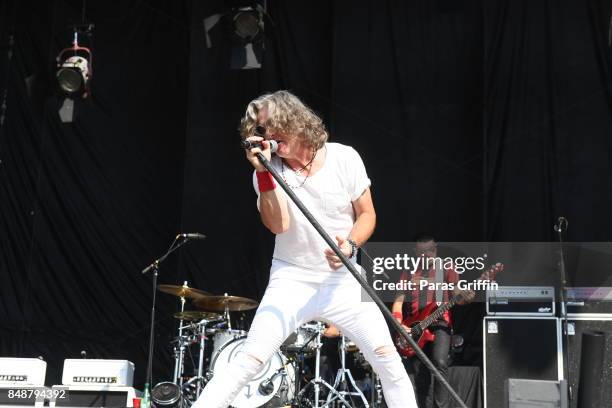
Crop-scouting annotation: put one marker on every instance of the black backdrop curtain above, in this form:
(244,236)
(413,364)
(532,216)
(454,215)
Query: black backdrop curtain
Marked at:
(477,120)
(86,205)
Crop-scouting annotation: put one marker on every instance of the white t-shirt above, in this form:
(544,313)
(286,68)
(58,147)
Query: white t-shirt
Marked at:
(328,194)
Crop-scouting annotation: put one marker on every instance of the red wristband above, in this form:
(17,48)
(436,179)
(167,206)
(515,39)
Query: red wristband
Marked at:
(265,181)
(398,315)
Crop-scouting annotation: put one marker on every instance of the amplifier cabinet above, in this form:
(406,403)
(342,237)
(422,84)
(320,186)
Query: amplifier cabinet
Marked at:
(22,371)
(95,396)
(589,301)
(521,347)
(575,327)
(98,371)
(521,301)
(21,396)
(536,393)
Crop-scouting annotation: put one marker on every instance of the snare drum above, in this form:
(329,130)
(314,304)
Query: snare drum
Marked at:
(220,337)
(303,340)
(250,396)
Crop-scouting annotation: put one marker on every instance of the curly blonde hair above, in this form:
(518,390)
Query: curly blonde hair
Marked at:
(287,115)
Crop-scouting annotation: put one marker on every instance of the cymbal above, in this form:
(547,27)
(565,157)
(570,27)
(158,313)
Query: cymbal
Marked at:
(191,315)
(182,291)
(218,303)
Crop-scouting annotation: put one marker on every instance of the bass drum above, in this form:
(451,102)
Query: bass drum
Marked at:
(250,396)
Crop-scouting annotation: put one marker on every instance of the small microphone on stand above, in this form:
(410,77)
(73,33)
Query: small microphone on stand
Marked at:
(192,235)
(561,225)
(266,387)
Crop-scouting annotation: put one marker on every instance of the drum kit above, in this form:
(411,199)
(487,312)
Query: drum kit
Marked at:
(280,382)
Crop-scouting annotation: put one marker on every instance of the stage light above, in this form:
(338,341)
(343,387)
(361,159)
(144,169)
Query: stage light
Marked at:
(240,27)
(74,67)
(247,24)
(73,75)
(74,72)
(166,394)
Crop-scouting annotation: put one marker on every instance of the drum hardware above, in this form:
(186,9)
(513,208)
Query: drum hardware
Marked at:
(226,314)
(279,380)
(200,378)
(274,378)
(184,292)
(375,387)
(341,379)
(196,336)
(274,385)
(376,397)
(197,329)
(199,336)
(166,394)
(351,347)
(299,343)
(317,381)
(266,387)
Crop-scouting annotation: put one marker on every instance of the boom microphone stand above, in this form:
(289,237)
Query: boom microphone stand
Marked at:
(560,228)
(155,268)
(364,284)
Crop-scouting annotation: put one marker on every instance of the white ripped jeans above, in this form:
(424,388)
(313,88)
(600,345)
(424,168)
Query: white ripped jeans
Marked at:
(286,305)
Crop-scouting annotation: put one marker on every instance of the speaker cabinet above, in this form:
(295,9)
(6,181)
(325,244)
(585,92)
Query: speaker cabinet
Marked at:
(575,327)
(536,393)
(519,347)
(94,396)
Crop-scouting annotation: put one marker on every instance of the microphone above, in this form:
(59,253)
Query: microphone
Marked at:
(562,224)
(248,144)
(192,235)
(266,387)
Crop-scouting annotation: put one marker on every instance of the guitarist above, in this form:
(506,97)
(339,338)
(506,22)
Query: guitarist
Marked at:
(411,302)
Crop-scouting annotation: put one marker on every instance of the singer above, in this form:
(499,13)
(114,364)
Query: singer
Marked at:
(307,280)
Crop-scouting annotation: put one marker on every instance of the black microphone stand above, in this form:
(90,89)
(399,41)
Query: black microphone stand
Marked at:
(364,284)
(560,228)
(155,268)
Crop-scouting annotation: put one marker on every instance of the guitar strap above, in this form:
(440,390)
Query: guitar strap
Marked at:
(439,281)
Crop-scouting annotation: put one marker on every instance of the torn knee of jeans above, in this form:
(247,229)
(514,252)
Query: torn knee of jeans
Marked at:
(384,351)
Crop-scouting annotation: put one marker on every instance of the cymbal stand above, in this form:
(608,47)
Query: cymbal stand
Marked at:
(179,350)
(341,380)
(202,336)
(299,368)
(317,381)
(376,397)
(200,330)
(226,314)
